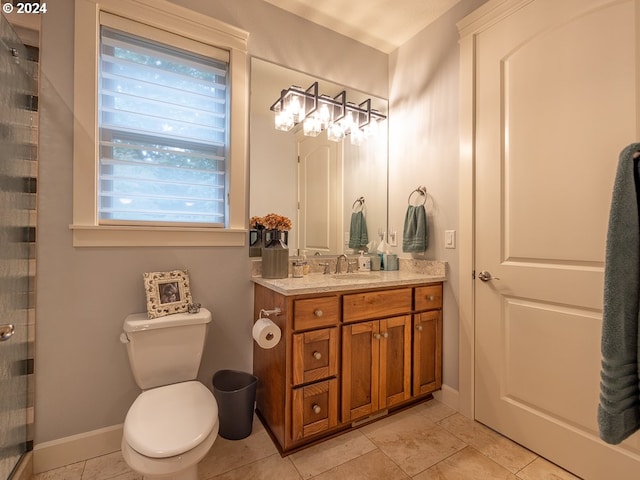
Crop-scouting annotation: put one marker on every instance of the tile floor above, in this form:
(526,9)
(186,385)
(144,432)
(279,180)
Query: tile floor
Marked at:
(427,442)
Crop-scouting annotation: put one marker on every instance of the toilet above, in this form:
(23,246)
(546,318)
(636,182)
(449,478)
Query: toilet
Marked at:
(173,423)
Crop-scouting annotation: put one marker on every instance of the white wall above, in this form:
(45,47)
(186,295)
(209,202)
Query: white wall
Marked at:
(423,141)
(83,381)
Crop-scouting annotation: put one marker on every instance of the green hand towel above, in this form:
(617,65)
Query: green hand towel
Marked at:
(619,408)
(415,236)
(358,237)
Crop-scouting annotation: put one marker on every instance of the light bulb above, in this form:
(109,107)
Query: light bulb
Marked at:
(295,108)
(357,136)
(347,121)
(283,121)
(335,132)
(324,115)
(312,126)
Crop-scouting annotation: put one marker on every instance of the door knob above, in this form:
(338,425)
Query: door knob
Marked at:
(6,331)
(486,276)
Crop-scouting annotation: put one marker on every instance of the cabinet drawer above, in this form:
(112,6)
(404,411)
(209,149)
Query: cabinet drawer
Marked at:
(383,303)
(429,297)
(315,408)
(315,355)
(315,312)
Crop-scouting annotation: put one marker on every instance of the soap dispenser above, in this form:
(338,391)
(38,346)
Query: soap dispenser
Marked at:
(364,263)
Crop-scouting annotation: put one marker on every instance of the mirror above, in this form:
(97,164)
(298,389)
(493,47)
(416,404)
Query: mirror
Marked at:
(320,192)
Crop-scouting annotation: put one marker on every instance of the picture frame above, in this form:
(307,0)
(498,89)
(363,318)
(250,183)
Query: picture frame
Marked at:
(167,292)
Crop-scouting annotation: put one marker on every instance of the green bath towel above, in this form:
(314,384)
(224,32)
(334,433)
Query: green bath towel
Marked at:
(358,237)
(415,235)
(619,409)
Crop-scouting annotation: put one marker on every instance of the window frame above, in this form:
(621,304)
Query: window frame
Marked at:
(165,19)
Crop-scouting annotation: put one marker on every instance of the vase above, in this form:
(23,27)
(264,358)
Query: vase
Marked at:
(275,256)
(274,234)
(257,238)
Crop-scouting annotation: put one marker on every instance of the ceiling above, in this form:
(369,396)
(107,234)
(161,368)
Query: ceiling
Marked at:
(381,24)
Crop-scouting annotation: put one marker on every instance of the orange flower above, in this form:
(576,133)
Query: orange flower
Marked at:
(256,222)
(273,221)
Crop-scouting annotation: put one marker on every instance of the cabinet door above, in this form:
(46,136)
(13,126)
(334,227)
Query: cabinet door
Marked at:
(395,360)
(427,352)
(360,370)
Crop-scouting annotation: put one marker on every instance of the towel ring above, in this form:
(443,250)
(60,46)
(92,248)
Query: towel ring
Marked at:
(358,203)
(422,191)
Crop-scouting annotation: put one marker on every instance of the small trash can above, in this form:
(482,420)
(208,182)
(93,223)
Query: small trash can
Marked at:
(235,393)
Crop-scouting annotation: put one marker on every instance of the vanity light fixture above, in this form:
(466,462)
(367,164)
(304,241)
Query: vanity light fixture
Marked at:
(322,112)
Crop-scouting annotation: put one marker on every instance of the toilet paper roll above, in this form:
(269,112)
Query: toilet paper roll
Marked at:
(266,333)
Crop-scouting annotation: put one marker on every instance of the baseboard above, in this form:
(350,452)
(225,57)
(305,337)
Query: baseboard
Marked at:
(448,396)
(76,448)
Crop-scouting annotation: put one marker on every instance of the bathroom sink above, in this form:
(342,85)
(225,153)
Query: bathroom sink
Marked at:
(356,276)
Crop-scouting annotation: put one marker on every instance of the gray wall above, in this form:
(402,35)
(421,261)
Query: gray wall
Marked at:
(83,381)
(424,150)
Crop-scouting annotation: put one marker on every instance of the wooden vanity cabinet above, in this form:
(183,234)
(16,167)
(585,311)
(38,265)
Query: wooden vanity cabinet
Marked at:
(345,356)
(376,354)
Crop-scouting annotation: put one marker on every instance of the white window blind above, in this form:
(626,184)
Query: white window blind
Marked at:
(164,129)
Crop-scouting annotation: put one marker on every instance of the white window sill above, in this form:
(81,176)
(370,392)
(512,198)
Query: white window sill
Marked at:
(137,236)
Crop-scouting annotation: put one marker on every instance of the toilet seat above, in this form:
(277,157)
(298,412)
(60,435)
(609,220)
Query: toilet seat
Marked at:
(170,420)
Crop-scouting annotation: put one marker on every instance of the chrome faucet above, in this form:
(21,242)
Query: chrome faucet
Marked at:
(340,257)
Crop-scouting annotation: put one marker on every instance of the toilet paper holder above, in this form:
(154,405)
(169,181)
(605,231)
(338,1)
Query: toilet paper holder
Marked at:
(276,311)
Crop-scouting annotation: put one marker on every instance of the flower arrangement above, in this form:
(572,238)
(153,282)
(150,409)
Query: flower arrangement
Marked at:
(271,221)
(256,223)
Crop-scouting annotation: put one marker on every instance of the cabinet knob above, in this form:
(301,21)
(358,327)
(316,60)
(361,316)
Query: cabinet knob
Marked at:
(316,408)
(385,335)
(377,336)
(431,298)
(317,355)
(318,313)
(419,328)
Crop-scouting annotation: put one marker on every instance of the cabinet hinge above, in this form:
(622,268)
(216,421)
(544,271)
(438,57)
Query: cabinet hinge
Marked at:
(473,274)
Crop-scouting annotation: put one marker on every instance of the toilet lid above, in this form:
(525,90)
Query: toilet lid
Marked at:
(170,420)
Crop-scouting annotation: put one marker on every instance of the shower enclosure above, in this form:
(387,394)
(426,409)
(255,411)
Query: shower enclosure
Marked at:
(18,150)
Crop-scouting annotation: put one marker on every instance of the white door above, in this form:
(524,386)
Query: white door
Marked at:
(556,101)
(319,194)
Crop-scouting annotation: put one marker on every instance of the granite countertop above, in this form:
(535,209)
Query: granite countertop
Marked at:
(320,283)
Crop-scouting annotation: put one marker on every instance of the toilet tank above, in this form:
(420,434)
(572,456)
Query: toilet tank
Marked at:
(165,350)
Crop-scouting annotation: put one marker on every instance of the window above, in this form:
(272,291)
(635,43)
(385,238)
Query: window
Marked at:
(163,133)
(160,137)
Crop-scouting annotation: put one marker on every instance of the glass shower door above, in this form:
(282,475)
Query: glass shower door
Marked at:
(17,95)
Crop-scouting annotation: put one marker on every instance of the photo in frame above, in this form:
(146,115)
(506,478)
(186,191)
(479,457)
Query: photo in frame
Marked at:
(167,292)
